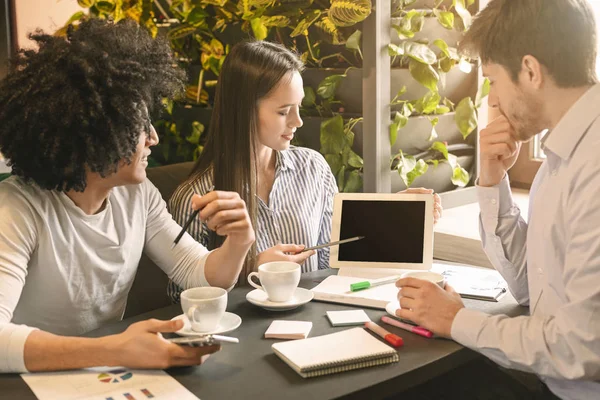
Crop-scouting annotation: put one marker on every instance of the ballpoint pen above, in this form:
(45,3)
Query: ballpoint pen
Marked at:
(353,239)
(188,222)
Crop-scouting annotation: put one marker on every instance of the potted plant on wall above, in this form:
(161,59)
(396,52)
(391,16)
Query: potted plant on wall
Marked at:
(433,91)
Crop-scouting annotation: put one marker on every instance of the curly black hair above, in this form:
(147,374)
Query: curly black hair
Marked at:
(81,102)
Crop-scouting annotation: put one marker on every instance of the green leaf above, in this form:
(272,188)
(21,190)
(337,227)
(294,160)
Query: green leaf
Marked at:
(305,23)
(428,103)
(466,117)
(461,10)
(197,130)
(445,18)
(420,52)
(442,110)
(403,29)
(446,64)
(460,177)
(420,168)
(443,46)
(259,29)
(333,140)
(180,32)
(424,74)
(354,182)
(395,50)
(483,91)
(75,17)
(85,4)
(341,178)
(329,85)
(105,6)
(310,97)
(334,161)
(400,122)
(354,160)
(441,147)
(196,15)
(353,41)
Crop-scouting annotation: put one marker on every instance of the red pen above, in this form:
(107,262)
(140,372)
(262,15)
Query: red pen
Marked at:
(414,329)
(394,340)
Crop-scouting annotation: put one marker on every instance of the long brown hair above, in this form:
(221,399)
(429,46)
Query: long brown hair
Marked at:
(250,72)
(560,34)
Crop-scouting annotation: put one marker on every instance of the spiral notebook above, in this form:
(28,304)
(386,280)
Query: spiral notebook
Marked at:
(337,352)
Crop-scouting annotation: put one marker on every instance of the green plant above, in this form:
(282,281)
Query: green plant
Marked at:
(202,31)
(337,139)
(427,62)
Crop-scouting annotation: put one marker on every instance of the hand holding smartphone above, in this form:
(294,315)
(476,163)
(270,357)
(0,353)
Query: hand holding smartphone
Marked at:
(203,340)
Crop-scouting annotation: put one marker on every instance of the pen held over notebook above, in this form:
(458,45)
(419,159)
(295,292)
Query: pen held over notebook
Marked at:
(353,239)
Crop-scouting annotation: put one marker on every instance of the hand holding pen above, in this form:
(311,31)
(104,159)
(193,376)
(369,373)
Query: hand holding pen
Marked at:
(223,212)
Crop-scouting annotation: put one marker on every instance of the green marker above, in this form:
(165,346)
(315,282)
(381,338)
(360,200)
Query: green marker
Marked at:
(355,287)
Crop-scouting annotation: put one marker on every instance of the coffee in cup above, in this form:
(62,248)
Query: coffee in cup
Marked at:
(204,307)
(279,279)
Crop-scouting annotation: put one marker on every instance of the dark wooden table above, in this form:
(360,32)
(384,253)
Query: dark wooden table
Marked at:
(250,370)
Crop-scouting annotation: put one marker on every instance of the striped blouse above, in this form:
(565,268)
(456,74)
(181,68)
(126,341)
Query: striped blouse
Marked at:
(299,211)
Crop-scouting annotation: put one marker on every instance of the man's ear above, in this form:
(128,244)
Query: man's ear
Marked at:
(532,72)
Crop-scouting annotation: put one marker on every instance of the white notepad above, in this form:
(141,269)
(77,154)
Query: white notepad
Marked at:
(341,351)
(348,317)
(288,329)
(336,289)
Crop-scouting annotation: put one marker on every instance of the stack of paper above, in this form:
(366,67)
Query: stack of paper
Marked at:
(472,282)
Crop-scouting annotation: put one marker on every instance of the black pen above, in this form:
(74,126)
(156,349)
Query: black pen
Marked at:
(188,222)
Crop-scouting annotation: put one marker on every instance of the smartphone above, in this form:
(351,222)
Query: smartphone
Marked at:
(204,340)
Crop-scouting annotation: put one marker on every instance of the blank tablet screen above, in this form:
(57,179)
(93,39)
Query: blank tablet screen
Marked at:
(394,231)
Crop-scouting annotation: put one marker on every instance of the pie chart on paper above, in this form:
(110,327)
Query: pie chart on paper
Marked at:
(115,376)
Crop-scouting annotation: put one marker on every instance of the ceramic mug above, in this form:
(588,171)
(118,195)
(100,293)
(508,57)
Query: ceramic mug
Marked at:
(279,279)
(204,307)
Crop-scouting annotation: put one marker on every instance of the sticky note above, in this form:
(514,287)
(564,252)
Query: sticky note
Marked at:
(280,329)
(349,317)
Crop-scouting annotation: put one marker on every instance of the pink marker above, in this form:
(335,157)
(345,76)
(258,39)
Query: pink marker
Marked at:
(418,330)
(392,339)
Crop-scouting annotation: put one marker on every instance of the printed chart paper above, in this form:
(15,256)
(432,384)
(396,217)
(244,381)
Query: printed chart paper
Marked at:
(106,384)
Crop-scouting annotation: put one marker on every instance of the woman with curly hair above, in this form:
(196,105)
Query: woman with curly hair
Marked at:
(79,211)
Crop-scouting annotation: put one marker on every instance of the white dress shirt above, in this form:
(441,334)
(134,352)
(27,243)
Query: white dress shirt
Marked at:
(551,263)
(67,272)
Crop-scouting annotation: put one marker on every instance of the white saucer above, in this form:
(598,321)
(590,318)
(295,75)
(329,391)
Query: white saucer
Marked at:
(391,308)
(259,298)
(229,322)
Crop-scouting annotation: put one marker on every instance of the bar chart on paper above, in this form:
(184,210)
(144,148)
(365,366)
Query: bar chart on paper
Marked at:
(106,384)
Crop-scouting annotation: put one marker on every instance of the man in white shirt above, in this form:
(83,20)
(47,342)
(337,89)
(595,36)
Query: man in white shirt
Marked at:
(79,210)
(540,58)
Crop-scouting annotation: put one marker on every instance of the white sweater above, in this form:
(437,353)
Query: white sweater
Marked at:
(67,273)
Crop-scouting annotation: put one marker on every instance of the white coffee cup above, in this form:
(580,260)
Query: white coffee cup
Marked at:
(204,307)
(434,277)
(279,279)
